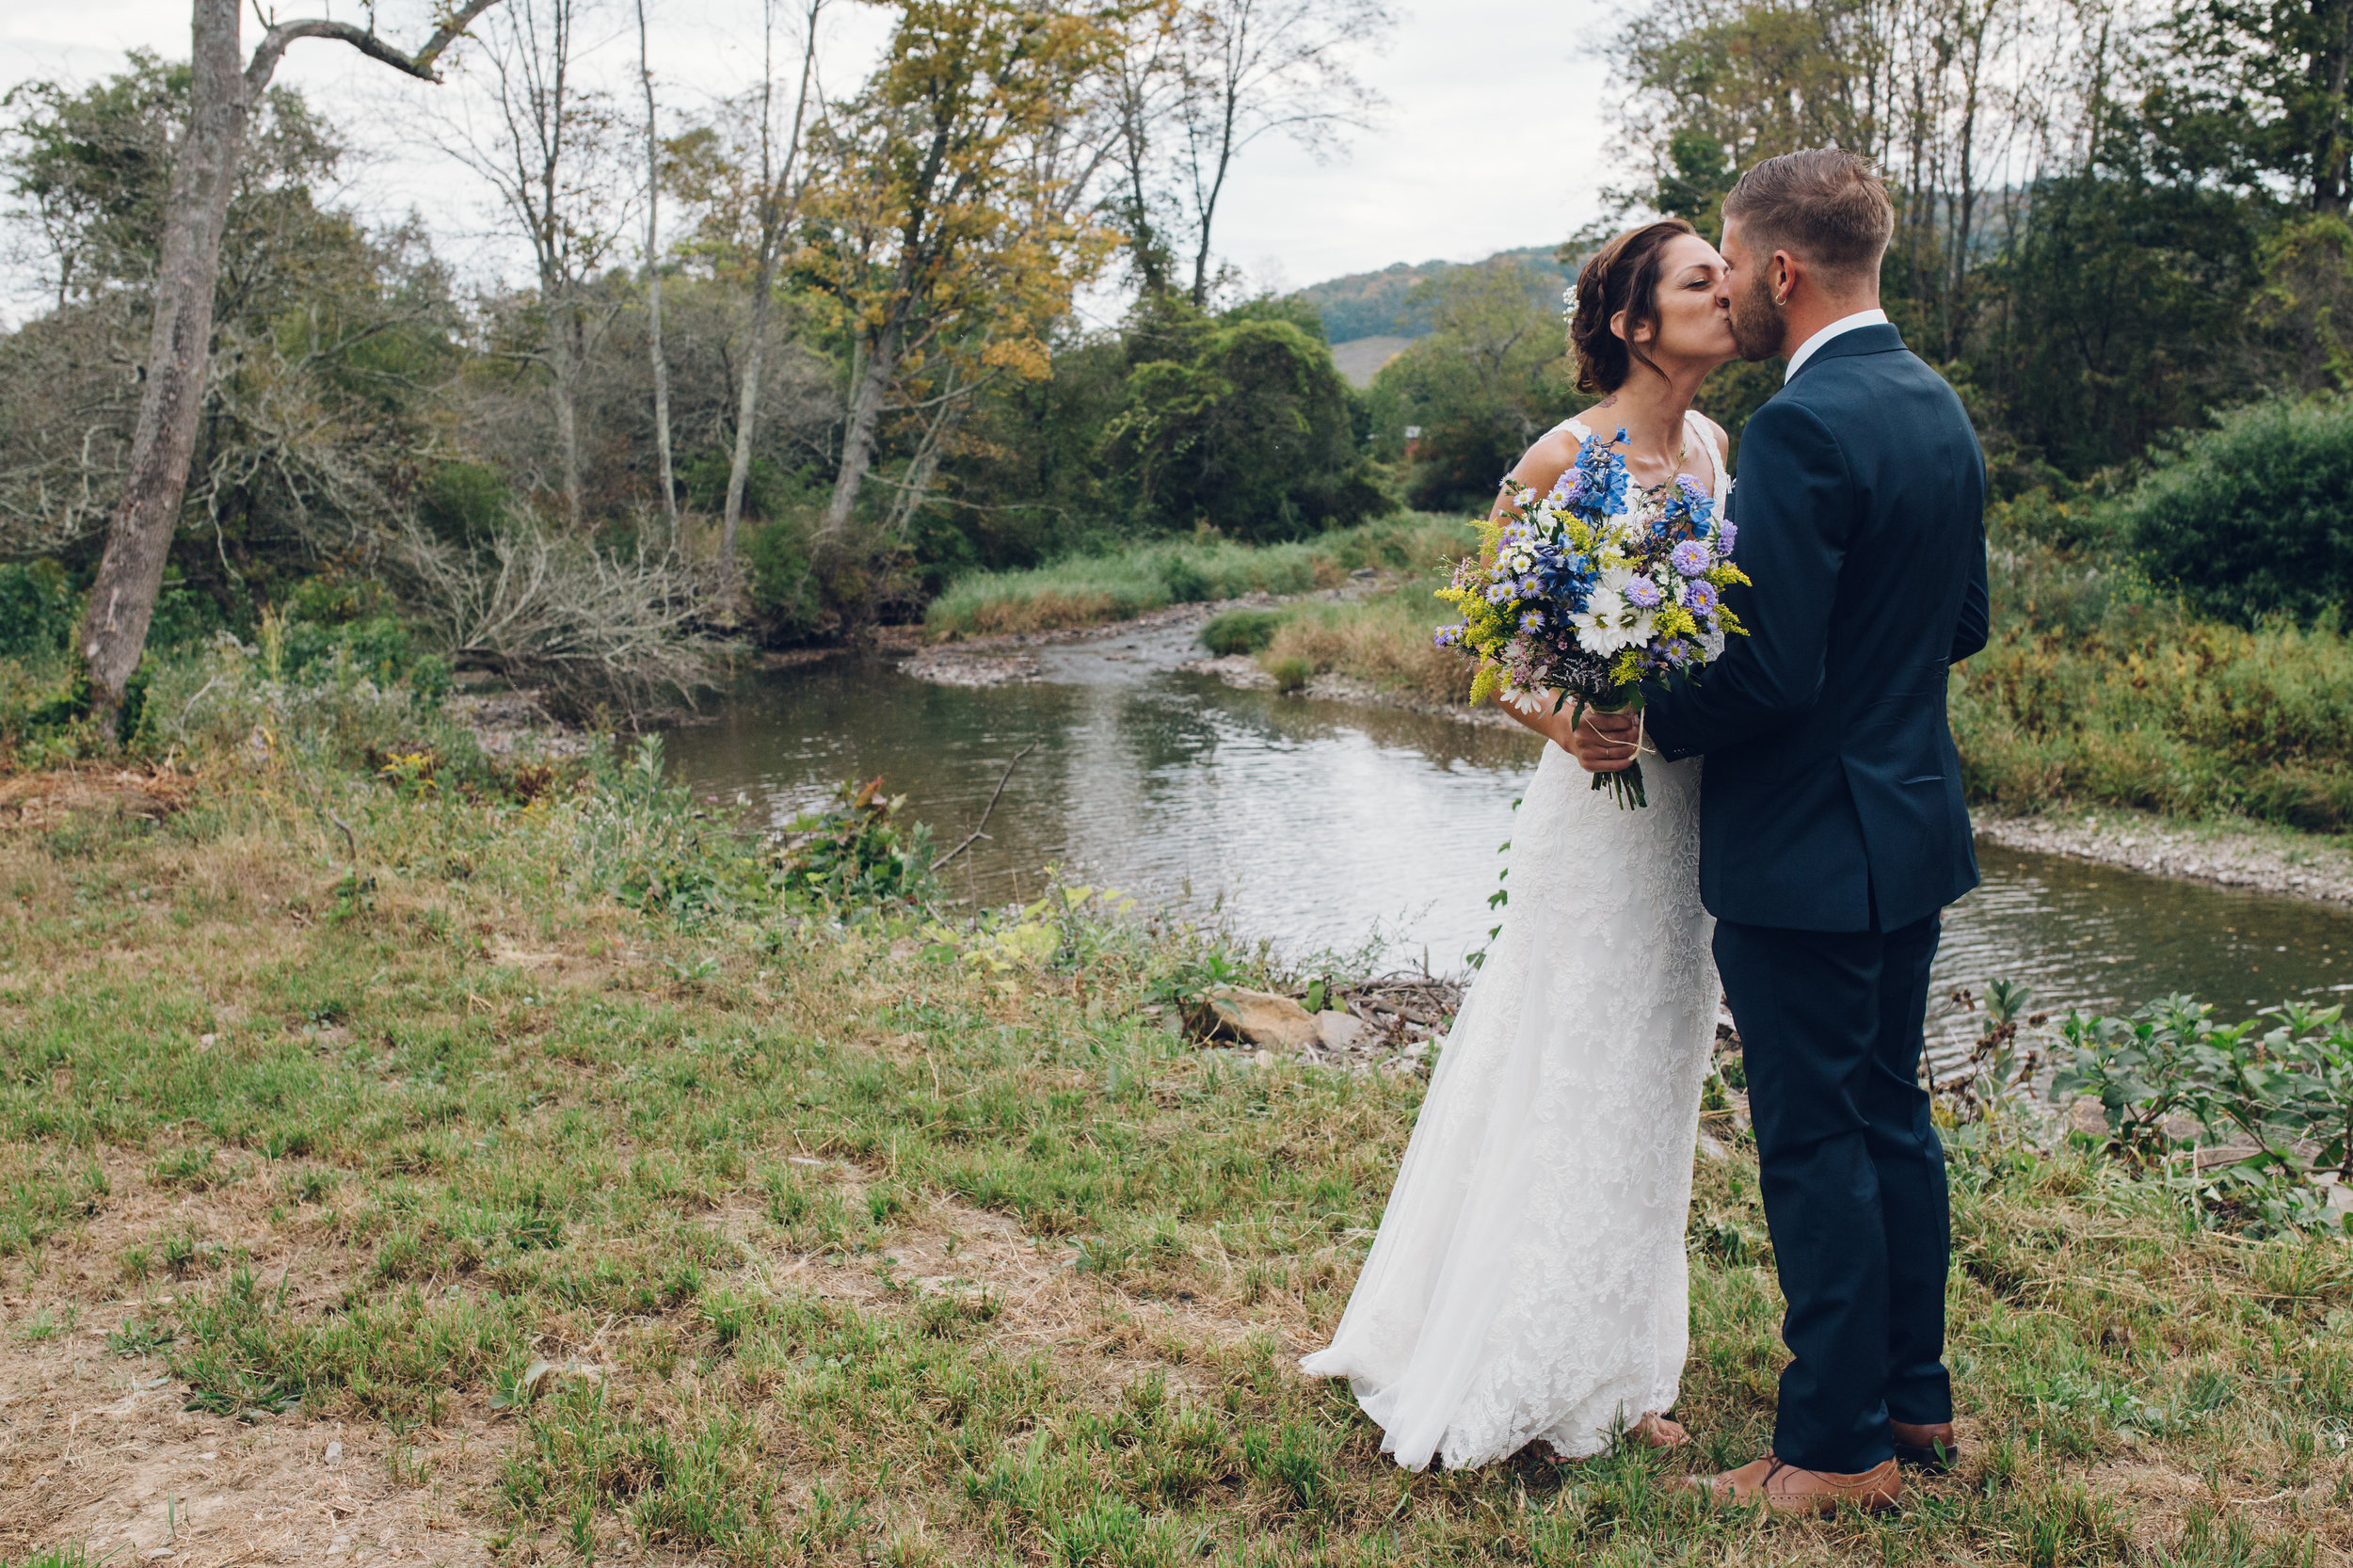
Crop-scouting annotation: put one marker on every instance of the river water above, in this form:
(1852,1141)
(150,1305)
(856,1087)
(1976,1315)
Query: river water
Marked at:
(1325,826)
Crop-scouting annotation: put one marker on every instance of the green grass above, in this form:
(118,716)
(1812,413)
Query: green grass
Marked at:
(1086,590)
(887,1244)
(2098,690)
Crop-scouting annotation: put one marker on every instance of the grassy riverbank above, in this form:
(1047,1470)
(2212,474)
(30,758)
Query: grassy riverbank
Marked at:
(2097,689)
(1088,590)
(602,1191)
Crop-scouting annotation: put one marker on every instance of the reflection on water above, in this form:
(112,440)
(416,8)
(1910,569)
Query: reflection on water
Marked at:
(1314,824)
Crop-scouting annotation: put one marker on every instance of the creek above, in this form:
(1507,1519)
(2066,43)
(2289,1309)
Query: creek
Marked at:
(1328,826)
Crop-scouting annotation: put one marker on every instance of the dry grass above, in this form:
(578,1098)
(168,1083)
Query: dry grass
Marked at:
(845,1252)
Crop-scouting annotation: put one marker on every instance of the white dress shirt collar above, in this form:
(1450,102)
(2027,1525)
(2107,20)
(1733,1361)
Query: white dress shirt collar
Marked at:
(1844,324)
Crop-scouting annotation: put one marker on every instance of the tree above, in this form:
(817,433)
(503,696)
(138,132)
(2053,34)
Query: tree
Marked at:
(1253,68)
(327,341)
(1482,386)
(944,231)
(2253,89)
(751,194)
(1241,423)
(549,155)
(222,92)
(653,285)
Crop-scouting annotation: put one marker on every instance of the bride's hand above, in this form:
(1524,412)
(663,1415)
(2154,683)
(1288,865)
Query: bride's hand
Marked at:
(1602,743)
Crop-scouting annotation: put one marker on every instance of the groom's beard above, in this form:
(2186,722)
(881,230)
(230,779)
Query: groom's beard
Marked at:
(1757,323)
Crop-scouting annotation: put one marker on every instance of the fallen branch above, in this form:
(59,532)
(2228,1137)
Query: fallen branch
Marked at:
(971,836)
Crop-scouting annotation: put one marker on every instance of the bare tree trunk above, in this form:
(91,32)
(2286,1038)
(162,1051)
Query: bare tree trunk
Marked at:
(130,572)
(857,438)
(775,216)
(567,339)
(653,289)
(203,174)
(746,413)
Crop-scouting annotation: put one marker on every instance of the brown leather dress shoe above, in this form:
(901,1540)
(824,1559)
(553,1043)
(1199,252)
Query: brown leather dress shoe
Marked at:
(1787,1489)
(1931,1448)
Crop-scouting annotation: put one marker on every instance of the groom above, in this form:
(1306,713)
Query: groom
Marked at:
(1832,828)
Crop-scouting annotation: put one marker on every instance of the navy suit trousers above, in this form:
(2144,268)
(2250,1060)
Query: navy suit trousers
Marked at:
(1852,1175)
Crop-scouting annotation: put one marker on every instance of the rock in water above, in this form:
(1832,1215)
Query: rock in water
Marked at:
(1338,1030)
(1264,1019)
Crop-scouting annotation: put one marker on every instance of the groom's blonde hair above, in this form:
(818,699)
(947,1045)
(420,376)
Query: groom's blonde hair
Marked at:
(1824,206)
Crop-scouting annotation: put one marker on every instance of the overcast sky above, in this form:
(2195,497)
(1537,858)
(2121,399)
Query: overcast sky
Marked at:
(1495,114)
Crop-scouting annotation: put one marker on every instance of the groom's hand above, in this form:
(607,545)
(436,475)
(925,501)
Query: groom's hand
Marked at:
(1603,742)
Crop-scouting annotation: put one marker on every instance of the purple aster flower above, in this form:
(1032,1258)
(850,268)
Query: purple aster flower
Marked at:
(1643,592)
(1691,557)
(1498,593)
(1723,539)
(1532,621)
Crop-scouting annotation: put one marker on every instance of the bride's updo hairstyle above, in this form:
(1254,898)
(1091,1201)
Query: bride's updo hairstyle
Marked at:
(1623,275)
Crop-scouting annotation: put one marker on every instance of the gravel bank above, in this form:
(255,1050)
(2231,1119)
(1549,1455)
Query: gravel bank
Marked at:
(2270,860)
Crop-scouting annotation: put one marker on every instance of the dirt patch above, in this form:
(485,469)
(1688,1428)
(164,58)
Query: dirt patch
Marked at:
(97,1447)
(46,799)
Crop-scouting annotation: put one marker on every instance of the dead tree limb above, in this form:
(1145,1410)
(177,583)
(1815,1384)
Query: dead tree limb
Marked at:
(971,836)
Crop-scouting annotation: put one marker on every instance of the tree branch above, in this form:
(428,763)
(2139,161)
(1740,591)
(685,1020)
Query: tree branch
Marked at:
(420,65)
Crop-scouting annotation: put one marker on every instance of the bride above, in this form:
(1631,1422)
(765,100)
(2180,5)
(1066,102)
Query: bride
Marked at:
(1528,1282)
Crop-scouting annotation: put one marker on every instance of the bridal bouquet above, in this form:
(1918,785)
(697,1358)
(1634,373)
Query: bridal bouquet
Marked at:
(1592,588)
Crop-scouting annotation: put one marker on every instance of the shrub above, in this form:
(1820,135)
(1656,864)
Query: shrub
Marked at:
(2250,518)
(2279,1084)
(37,609)
(462,504)
(784,589)
(1241,632)
(854,851)
(1248,429)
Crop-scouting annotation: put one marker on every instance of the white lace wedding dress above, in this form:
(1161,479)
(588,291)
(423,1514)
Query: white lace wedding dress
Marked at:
(1529,1280)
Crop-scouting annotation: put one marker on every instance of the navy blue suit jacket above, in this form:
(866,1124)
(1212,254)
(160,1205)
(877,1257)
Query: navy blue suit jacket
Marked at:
(1832,799)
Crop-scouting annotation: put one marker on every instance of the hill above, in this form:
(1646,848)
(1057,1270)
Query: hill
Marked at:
(1375,304)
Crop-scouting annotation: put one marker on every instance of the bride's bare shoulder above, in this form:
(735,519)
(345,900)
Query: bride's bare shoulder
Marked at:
(1551,456)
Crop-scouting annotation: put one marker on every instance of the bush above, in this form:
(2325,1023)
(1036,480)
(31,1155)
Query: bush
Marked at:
(2251,519)
(1241,632)
(2280,1085)
(37,609)
(855,851)
(1248,429)
(462,504)
(2098,687)
(784,589)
